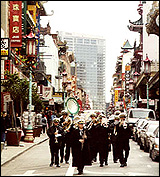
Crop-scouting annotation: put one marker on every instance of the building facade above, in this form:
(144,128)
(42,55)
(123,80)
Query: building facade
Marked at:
(90,57)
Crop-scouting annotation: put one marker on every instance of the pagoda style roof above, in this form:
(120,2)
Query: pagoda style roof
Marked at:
(136,26)
(138,22)
(127,45)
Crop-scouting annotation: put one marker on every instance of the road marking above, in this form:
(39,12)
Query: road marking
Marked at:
(71,169)
(29,173)
(102,173)
(149,166)
(138,174)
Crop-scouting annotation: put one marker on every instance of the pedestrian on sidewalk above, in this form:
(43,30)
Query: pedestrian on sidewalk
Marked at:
(5,123)
(55,133)
(124,134)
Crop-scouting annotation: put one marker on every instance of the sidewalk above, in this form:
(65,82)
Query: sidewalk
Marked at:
(11,152)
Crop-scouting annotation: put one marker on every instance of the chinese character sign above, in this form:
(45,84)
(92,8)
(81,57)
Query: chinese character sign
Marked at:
(16,23)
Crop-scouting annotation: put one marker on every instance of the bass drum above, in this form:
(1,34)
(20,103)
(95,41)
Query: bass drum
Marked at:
(72,106)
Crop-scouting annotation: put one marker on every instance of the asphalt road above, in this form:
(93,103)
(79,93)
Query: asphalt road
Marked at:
(35,162)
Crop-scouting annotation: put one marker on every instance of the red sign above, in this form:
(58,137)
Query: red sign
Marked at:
(16,23)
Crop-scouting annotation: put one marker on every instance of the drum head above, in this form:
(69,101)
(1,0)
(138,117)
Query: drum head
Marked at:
(72,106)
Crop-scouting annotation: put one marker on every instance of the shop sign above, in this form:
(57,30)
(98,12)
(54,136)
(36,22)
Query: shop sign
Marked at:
(16,23)
(2,69)
(151,102)
(5,47)
(116,96)
(57,97)
(51,101)
(6,97)
(47,92)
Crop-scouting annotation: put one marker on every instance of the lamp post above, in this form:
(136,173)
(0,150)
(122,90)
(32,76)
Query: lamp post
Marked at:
(64,83)
(31,53)
(136,75)
(147,72)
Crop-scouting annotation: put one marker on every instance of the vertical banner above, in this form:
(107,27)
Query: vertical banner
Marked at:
(116,96)
(15,33)
(2,69)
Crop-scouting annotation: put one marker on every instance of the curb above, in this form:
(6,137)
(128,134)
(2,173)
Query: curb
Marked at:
(24,151)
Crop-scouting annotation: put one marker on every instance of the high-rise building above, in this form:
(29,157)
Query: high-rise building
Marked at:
(90,56)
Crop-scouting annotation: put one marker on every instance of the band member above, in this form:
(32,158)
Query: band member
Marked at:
(68,128)
(80,148)
(124,134)
(92,141)
(62,122)
(113,130)
(55,133)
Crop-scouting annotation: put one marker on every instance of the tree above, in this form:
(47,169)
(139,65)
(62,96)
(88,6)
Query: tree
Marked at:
(19,90)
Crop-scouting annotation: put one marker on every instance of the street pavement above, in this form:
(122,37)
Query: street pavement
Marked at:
(11,152)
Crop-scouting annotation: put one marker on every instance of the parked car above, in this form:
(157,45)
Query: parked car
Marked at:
(139,113)
(136,127)
(154,145)
(141,126)
(146,133)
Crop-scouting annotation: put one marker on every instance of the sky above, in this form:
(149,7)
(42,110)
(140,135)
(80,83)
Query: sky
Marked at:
(108,19)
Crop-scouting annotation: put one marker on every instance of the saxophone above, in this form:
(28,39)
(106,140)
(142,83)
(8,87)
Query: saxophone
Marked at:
(84,136)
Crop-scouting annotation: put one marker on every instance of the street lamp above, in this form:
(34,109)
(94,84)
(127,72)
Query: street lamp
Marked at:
(64,83)
(147,72)
(31,54)
(136,75)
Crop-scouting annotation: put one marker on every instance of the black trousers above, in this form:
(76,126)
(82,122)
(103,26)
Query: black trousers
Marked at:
(62,150)
(54,149)
(123,155)
(67,152)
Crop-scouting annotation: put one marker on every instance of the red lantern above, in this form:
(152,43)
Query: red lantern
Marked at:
(131,84)
(31,44)
(136,75)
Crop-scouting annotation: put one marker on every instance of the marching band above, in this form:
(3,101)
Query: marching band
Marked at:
(85,138)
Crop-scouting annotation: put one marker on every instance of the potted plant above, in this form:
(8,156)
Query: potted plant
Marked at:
(13,135)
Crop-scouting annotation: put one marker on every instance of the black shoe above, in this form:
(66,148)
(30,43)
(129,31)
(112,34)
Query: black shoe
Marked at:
(106,163)
(125,164)
(101,165)
(67,162)
(115,161)
(80,172)
(51,164)
(57,165)
(122,165)
(61,161)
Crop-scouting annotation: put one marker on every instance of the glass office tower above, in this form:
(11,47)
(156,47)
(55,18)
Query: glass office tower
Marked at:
(89,52)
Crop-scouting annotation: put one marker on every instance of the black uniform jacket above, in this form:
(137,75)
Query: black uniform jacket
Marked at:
(124,135)
(81,155)
(50,133)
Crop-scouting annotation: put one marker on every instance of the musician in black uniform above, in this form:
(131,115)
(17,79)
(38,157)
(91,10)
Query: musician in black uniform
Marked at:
(124,134)
(101,136)
(62,122)
(92,141)
(68,128)
(55,133)
(80,148)
(113,131)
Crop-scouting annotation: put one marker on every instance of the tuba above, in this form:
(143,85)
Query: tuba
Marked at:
(67,124)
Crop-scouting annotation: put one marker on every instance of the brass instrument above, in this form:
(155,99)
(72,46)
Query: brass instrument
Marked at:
(67,124)
(84,136)
(56,139)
